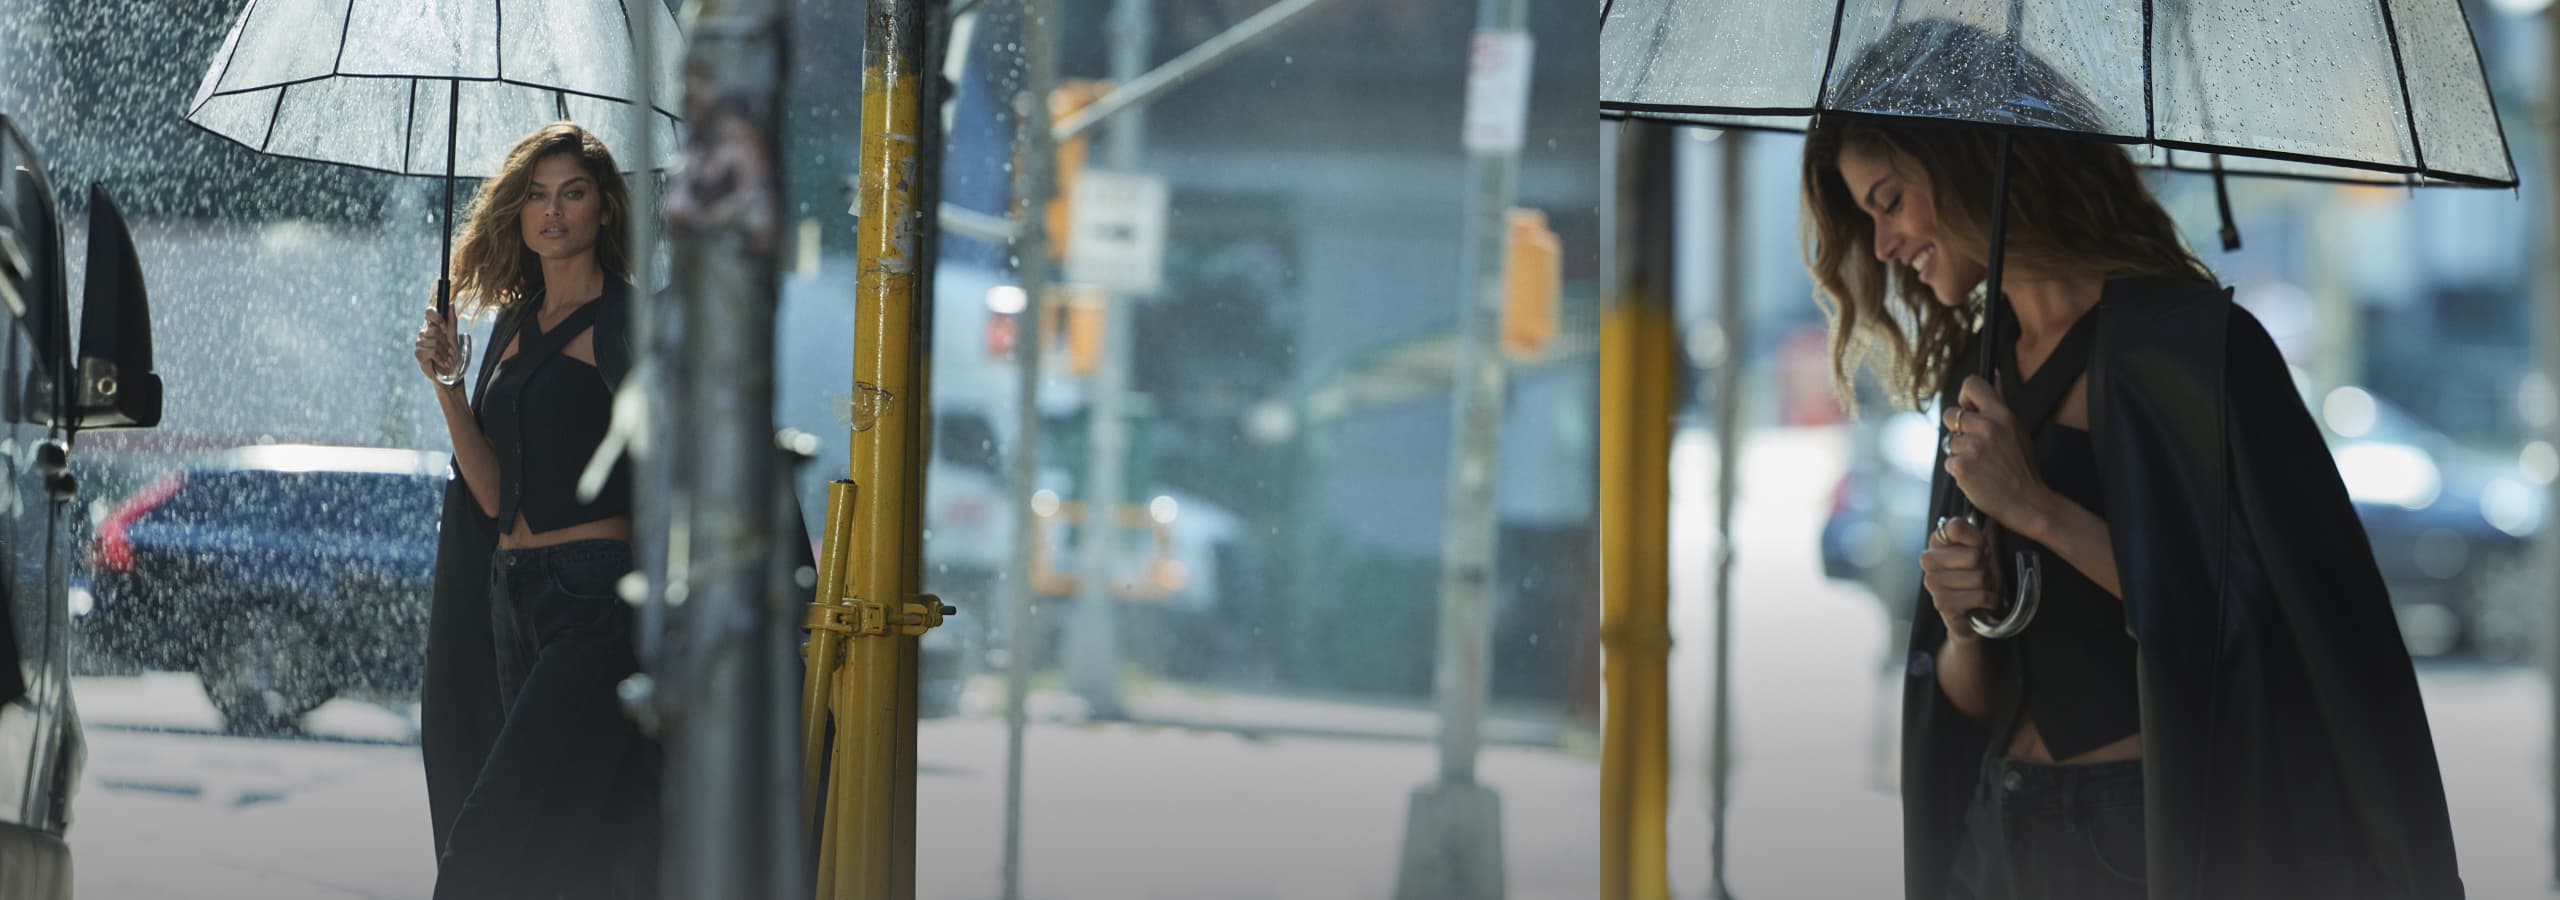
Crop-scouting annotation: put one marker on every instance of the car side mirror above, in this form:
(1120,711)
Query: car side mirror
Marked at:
(113,385)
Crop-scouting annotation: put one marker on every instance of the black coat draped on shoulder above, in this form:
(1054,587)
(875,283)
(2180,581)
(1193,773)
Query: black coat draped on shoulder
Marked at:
(2286,752)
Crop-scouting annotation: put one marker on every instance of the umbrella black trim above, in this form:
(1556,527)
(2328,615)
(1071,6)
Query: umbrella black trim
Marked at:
(1831,57)
(498,41)
(1605,6)
(2150,114)
(522,84)
(346,25)
(272,116)
(2408,101)
(2483,67)
(1664,112)
(191,123)
(409,130)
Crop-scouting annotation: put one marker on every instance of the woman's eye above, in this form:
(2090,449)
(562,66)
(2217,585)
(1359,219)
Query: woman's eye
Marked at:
(1893,207)
(577,195)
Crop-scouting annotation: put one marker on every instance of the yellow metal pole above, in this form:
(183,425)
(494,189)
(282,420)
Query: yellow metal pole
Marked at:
(867,846)
(1638,403)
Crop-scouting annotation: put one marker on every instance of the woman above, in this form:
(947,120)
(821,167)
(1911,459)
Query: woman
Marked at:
(2213,700)
(565,800)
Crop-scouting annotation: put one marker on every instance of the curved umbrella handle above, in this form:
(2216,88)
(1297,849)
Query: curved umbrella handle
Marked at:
(2021,610)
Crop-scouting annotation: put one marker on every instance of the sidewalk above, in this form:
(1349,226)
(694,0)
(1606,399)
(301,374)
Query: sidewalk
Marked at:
(1257,715)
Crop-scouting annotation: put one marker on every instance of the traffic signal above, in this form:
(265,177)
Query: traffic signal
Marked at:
(1071,96)
(1077,311)
(1532,278)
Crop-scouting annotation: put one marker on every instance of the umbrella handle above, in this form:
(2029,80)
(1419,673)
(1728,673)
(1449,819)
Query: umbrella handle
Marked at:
(2021,609)
(461,338)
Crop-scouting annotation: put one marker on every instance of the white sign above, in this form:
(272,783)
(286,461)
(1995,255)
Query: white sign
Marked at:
(1115,232)
(1498,92)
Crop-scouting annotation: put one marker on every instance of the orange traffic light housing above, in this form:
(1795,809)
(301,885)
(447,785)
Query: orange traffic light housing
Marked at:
(1068,98)
(1076,312)
(1532,280)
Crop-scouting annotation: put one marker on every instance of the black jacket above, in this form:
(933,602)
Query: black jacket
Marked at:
(2286,751)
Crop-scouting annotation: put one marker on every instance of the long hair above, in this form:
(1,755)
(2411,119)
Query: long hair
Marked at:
(2074,204)
(492,268)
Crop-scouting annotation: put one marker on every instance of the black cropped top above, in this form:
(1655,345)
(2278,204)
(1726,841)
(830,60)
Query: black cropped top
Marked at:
(544,414)
(2075,662)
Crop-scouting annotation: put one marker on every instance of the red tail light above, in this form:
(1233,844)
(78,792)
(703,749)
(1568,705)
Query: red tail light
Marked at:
(112,552)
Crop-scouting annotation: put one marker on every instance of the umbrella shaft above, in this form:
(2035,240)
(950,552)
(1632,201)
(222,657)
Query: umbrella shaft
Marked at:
(444,260)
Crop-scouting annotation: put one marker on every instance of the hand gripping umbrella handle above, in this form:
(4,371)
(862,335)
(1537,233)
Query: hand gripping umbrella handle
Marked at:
(2021,609)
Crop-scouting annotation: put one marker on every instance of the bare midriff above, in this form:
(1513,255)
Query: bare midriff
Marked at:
(2028,745)
(522,537)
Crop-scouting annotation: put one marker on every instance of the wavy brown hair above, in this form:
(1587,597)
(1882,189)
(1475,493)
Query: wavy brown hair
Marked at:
(492,268)
(2075,204)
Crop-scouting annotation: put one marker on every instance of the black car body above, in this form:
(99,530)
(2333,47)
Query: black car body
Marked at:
(48,395)
(283,575)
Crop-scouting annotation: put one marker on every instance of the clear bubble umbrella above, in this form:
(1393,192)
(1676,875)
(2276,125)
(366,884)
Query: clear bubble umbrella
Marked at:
(436,87)
(2365,91)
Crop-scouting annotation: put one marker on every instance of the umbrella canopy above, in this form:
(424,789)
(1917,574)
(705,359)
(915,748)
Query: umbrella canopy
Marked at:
(370,83)
(2369,91)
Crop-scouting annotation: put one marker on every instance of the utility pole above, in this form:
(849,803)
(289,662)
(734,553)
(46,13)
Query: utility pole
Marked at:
(1093,639)
(2547,325)
(1735,327)
(1031,272)
(1453,827)
(730,662)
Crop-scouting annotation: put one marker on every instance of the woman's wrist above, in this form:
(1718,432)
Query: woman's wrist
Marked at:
(2043,514)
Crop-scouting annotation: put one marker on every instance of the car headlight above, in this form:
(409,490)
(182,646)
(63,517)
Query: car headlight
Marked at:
(2397,474)
(81,601)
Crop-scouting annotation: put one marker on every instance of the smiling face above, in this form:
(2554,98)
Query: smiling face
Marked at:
(563,209)
(1888,188)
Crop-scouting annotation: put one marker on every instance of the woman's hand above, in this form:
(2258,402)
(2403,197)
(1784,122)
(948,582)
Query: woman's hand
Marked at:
(1956,569)
(1988,458)
(436,349)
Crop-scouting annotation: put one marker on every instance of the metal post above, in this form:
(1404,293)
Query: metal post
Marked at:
(1639,398)
(869,612)
(1737,350)
(1031,271)
(721,835)
(2547,325)
(1093,640)
(1453,827)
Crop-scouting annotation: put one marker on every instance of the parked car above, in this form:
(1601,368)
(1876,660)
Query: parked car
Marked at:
(2449,526)
(48,395)
(283,575)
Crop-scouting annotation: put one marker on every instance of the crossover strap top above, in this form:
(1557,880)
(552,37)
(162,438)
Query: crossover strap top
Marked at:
(544,414)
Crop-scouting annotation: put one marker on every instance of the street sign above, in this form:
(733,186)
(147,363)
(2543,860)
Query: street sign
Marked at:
(1116,232)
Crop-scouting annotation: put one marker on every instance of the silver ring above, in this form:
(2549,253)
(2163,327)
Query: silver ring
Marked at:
(1947,445)
(1958,427)
(1940,532)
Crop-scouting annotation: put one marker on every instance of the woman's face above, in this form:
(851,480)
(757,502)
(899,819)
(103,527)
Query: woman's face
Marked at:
(1906,221)
(563,208)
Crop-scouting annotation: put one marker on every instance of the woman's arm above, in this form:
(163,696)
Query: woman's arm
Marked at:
(471,452)
(2077,534)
